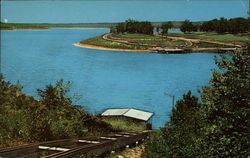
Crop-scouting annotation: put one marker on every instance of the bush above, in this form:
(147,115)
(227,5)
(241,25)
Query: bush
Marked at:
(217,127)
(25,119)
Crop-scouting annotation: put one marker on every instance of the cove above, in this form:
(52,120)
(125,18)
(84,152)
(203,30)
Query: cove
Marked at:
(104,79)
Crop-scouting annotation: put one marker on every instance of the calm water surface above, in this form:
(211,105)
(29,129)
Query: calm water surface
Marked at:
(104,79)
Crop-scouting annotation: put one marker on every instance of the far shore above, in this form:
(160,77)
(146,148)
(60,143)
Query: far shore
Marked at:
(79,27)
(13,29)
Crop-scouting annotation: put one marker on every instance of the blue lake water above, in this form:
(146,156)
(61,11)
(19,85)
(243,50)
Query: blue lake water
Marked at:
(104,79)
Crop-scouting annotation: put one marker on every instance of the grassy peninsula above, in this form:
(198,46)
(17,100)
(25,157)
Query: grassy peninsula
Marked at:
(216,36)
(200,41)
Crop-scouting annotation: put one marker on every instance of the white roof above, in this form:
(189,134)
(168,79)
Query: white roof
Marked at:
(137,114)
(114,112)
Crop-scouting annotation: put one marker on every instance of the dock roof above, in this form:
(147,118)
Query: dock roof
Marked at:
(132,113)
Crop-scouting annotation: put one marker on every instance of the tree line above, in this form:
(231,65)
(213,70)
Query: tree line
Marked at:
(214,125)
(133,26)
(141,27)
(222,25)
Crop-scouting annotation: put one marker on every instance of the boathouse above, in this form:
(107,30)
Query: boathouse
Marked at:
(132,114)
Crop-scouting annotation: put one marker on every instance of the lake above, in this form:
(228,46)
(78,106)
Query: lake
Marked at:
(104,79)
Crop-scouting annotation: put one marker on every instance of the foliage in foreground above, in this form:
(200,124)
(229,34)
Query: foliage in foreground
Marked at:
(25,119)
(216,127)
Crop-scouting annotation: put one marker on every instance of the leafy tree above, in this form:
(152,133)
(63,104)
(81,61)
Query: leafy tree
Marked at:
(222,25)
(179,134)
(113,29)
(157,29)
(219,125)
(132,26)
(25,119)
(165,27)
(54,96)
(238,25)
(187,26)
(226,108)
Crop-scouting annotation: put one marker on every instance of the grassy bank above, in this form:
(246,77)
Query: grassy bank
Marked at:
(99,41)
(214,36)
(136,36)
(133,42)
(163,43)
(122,124)
(210,45)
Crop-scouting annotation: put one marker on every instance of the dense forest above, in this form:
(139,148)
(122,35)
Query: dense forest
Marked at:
(217,123)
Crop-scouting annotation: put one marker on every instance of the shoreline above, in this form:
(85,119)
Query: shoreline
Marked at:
(111,49)
(192,50)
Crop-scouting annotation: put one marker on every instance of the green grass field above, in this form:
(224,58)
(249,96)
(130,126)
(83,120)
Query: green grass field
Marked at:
(135,41)
(161,43)
(214,36)
(99,41)
(136,36)
(210,45)
(122,124)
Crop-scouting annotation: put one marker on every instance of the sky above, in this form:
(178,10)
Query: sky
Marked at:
(91,11)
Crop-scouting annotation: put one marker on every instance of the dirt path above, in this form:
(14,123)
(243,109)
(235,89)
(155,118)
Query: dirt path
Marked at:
(109,37)
(189,42)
